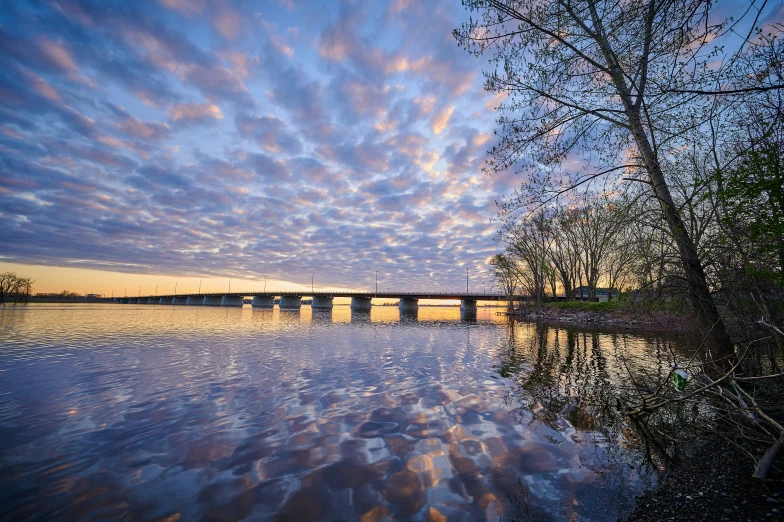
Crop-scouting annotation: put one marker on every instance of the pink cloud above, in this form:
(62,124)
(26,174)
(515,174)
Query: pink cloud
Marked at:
(42,87)
(139,129)
(385,125)
(410,145)
(441,119)
(186,6)
(195,111)
(227,23)
(57,55)
(424,105)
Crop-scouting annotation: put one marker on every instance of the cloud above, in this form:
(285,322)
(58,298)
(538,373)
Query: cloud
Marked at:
(186,6)
(57,55)
(441,119)
(227,22)
(270,133)
(195,112)
(137,128)
(43,87)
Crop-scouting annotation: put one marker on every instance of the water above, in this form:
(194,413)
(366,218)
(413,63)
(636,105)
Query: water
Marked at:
(147,412)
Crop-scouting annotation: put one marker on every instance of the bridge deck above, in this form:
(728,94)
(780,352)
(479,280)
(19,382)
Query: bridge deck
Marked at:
(380,295)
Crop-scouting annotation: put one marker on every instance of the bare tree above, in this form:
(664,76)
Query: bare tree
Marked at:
(528,243)
(564,252)
(15,286)
(505,273)
(616,266)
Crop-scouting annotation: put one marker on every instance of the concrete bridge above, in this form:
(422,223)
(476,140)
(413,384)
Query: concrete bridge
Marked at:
(360,301)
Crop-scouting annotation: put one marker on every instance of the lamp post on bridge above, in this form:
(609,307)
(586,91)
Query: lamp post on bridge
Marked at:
(175,288)
(229,285)
(140,291)
(376,283)
(126,291)
(265,284)
(311,281)
(199,286)
(156,289)
(466,279)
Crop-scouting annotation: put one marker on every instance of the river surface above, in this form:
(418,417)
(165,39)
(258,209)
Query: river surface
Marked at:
(143,412)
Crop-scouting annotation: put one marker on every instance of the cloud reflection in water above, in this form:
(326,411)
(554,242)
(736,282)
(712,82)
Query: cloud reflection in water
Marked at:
(206,413)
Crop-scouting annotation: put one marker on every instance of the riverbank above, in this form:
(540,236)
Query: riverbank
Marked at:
(714,484)
(610,314)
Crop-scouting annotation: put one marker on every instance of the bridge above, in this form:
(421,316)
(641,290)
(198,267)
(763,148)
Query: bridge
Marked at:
(321,300)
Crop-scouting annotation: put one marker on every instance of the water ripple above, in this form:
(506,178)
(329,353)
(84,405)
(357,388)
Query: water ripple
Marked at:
(182,413)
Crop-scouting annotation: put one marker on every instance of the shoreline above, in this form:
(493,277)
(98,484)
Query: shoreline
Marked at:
(715,483)
(608,318)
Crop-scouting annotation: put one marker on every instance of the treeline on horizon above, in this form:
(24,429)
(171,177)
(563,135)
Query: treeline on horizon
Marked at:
(14,287)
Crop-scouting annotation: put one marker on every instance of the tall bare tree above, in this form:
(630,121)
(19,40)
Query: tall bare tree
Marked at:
(564,252)
(528,242)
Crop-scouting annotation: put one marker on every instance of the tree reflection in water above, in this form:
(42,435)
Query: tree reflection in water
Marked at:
(568,385)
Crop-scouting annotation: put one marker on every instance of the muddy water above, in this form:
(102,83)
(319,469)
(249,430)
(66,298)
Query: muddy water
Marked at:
(142,412)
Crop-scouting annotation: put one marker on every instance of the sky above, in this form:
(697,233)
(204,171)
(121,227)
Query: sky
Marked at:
(178,140)
(184,142)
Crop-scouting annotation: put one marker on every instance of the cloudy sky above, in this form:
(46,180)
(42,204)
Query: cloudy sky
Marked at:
(214,139)
(176,140)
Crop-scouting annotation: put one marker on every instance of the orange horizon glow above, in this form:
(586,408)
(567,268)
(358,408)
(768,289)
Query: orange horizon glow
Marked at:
(55,279)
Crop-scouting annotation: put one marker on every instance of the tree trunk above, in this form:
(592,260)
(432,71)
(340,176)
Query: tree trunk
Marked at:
(708,315)
(710,320)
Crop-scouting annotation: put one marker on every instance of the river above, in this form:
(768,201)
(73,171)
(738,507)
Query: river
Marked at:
(143,412)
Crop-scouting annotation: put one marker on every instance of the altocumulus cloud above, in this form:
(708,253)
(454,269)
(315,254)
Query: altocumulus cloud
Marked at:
(233,138)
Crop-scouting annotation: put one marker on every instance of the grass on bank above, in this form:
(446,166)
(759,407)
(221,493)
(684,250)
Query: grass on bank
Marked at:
(588,306)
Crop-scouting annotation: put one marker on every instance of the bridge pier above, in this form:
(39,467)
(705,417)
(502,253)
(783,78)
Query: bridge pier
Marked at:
(263,301)
(468,310)
(165,300)
(195,301)
(231,300)
(409,305)
(290,302)
(131,300)
(180,300)
(321,302)
(212,300)
(153,300)
(360,304)
(468,305)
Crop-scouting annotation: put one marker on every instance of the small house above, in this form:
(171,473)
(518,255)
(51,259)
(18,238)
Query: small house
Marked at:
(600,294)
